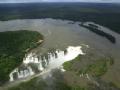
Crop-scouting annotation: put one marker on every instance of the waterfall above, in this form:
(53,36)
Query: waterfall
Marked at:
(32,62)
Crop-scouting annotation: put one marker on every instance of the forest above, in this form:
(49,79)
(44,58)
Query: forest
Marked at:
(103,14)
(13,46)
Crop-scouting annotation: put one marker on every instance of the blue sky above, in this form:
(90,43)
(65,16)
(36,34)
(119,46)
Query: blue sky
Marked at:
(20,1)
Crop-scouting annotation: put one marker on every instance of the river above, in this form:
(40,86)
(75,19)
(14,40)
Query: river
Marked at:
(60,34)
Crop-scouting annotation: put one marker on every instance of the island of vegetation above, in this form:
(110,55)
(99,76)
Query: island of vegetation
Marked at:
(91,73)
(13,47)
(96,69)
(96,30)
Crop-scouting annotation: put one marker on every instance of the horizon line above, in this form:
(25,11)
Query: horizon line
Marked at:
(57,2)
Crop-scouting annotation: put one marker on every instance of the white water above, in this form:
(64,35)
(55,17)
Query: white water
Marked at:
(54,60)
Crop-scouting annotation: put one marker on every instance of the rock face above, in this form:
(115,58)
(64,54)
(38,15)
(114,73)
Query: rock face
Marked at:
(33,63)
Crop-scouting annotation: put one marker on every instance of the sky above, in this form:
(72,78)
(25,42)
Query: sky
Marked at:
(28,1)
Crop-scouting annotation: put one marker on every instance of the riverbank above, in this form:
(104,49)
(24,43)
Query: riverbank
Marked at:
(14,45)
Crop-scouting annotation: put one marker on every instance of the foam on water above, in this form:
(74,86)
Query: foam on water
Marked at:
(54,60)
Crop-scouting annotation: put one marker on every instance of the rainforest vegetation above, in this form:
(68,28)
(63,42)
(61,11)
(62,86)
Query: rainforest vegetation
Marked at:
(103,14)
(13,46)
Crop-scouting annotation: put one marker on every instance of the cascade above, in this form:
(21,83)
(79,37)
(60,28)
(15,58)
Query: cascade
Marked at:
(53,60)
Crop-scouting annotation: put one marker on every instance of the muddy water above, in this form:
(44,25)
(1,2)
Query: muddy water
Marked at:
(60,34)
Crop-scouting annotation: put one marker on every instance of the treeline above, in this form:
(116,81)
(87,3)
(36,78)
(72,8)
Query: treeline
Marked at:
(104,14)
(13,46)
